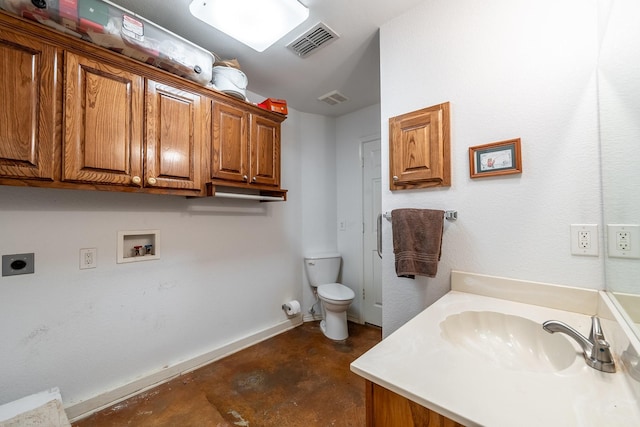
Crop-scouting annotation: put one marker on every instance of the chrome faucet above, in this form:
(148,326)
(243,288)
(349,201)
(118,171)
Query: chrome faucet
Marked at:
(595,350)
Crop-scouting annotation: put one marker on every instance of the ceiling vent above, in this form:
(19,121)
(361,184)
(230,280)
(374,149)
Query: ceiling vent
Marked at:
(315,38)
(333,98)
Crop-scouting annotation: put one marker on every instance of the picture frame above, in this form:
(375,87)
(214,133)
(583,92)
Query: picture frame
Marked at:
(495,159)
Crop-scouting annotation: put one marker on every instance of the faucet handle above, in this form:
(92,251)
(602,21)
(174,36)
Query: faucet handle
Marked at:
(596,329)
(600,352)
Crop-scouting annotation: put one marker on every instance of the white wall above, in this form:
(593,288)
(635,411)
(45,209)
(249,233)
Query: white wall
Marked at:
(351,130)
(318,179)
(226,267)
(509,68)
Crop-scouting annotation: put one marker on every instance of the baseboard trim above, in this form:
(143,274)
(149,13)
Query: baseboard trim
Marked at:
(87,407)
(316,317)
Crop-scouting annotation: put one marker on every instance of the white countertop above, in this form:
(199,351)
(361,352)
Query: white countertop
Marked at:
(419,363)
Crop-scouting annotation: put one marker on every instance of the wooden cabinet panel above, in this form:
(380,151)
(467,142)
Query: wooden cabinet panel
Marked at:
(230,144)
(102,123)
(78,116)
(419,152)
(30,103)
(386,408)
(174,128)
(265,151)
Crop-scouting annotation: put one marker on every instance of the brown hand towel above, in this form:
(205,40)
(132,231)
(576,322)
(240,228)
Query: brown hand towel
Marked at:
(417,241)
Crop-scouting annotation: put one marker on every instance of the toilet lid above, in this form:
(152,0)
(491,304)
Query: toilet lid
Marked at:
(336,292)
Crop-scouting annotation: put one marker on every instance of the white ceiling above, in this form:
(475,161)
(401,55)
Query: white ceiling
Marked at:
(350,64)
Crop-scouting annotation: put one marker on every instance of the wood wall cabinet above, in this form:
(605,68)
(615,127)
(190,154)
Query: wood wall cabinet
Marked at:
(265,151)
(419,149)
(103,118)
(230,143)
(386,408)
(30,104)
(174,137)
(76,115)
(245,148)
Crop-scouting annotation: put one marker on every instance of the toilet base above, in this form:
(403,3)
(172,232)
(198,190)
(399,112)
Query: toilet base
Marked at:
(334,326)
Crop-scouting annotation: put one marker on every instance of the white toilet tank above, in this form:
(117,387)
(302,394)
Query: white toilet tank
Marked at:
(322,269)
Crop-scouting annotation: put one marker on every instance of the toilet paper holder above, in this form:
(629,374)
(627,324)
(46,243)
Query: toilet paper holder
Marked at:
(291,308)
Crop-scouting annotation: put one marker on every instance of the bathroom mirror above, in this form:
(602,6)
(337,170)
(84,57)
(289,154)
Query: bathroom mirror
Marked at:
(619,108)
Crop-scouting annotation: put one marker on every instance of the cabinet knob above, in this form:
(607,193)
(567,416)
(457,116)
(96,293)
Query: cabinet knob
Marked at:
(136,180)
(245,178)
(395,178)
(152,181)
(254,179)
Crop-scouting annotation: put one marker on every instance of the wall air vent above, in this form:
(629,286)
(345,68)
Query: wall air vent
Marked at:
(320,35)
(333,98)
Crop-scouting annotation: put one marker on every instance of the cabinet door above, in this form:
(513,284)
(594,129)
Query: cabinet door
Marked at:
(102,123)
(230,144)
(265,151)
(386,408)
(419,148)
(30,103)
(174,126)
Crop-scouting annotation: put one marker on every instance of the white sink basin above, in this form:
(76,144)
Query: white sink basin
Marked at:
(509,341)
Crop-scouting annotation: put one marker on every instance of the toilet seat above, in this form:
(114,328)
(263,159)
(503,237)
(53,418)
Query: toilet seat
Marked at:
(335,292)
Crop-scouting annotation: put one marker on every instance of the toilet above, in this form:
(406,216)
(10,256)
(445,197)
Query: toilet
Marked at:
(322,272)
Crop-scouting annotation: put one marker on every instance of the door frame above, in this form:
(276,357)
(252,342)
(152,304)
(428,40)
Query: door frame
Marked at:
(363,254)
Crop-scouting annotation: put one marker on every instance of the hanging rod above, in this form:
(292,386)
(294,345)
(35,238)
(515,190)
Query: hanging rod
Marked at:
(249,197)
(448,215)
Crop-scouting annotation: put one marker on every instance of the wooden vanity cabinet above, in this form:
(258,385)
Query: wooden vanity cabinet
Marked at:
(30,104)
(245,147)
(386,408)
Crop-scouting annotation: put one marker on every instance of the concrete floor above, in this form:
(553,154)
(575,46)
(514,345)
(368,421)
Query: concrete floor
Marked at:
(298,378)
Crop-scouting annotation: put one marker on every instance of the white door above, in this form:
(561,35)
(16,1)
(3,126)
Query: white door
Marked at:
(372,192)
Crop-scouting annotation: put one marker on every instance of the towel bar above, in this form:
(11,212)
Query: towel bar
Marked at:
(448,215)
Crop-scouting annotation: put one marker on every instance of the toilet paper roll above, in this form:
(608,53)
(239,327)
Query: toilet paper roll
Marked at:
(291,308)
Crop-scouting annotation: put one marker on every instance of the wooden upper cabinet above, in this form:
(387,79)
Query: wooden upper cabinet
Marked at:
(103,118)
(174,133)
(245,147)
(30,103)
(419,149)
(75,115)
(230,143)
(265,151)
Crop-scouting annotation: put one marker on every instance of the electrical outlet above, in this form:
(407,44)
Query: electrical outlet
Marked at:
(624,240)
(88,258)
(584,239)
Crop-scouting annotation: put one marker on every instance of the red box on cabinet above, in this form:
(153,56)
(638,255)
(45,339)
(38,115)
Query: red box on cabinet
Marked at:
(276,105)
(68,12)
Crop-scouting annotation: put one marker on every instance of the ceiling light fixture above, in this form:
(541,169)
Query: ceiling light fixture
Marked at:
(256,23)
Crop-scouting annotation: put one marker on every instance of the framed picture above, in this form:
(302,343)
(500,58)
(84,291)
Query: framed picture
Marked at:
(497,158)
